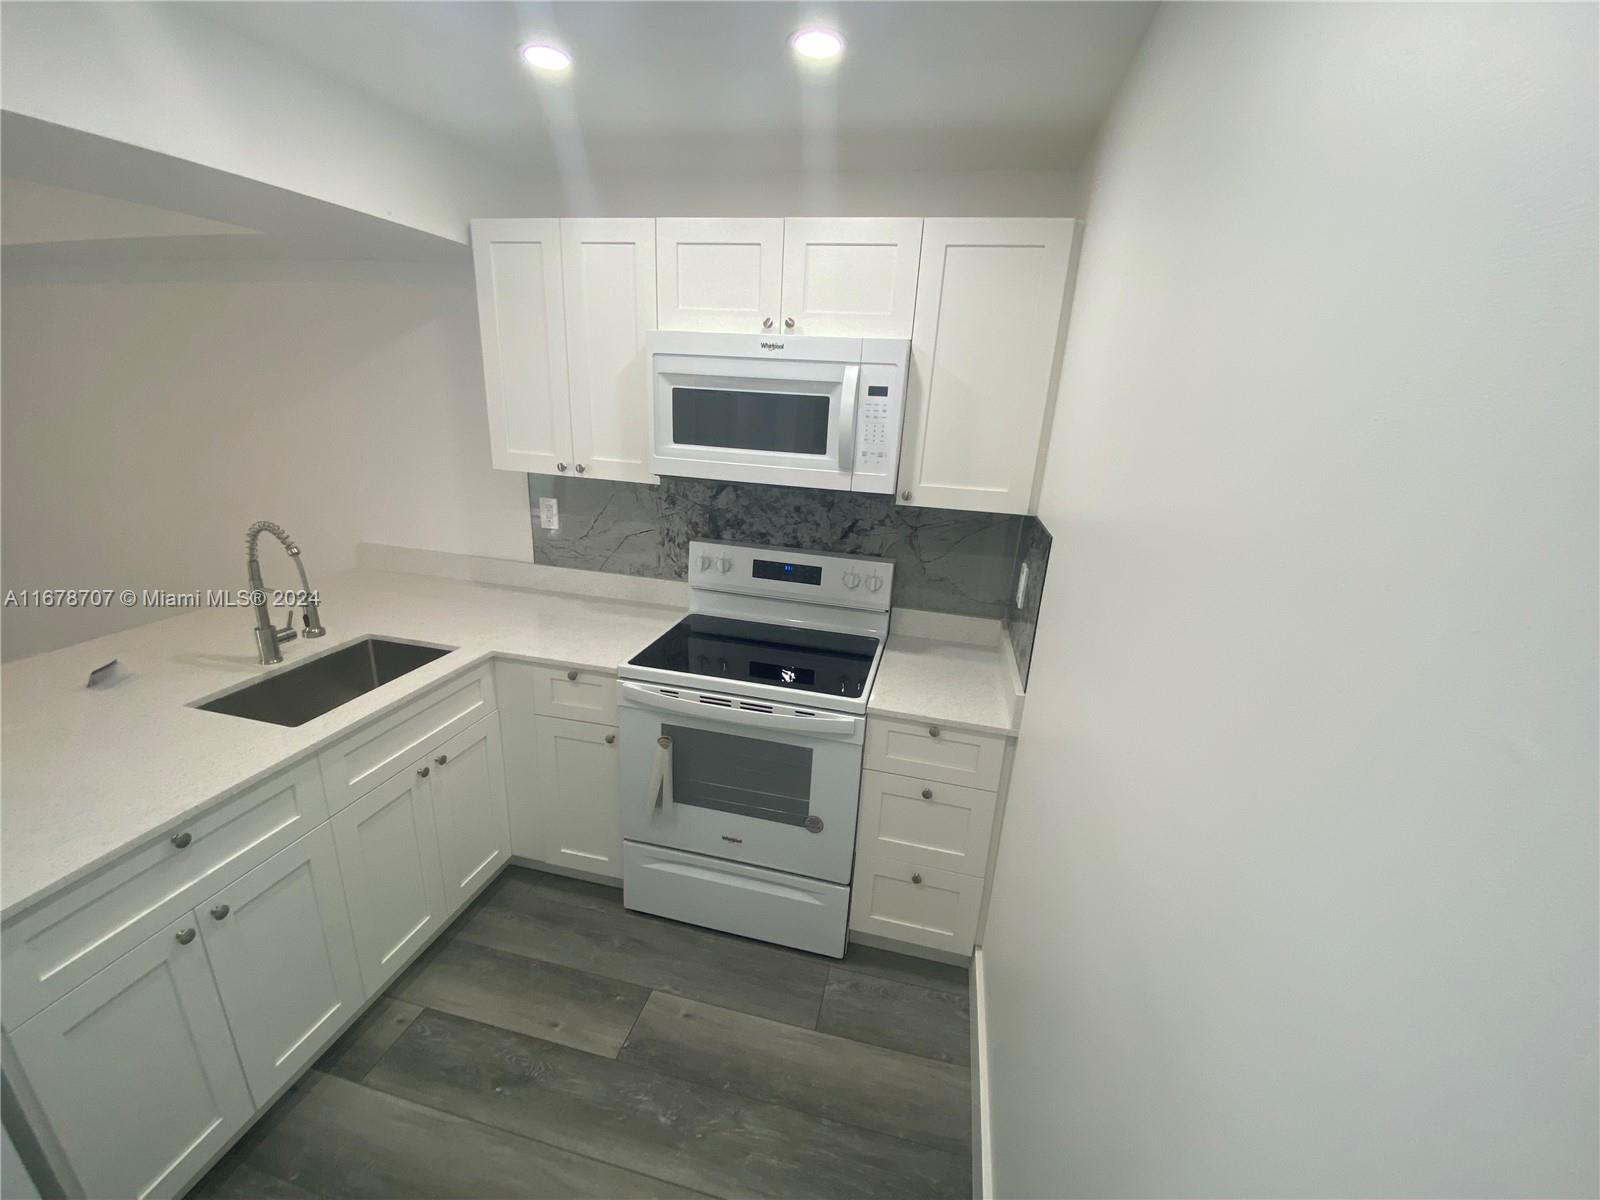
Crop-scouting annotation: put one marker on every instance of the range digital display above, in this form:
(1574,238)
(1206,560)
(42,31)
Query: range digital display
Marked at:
(766,568)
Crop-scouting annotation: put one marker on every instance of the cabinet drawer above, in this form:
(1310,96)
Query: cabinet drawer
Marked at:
(57,946)
(366,758)
(922,905)
(926,822)
(575,695)
(927,751)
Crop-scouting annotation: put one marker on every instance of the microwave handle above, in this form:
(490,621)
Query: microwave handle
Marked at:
(847,418)
(660,792)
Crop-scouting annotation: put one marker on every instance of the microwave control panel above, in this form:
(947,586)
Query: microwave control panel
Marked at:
(880,403)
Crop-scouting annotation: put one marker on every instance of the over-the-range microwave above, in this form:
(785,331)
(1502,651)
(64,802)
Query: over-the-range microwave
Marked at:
(819,412)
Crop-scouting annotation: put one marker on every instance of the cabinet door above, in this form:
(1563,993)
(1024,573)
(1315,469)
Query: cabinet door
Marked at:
(850,276)
(135,1069)
(285,961)
(389,856)
(991,298)
(468,783)
(608,266)
(523,326)
(581,823)
(721,274)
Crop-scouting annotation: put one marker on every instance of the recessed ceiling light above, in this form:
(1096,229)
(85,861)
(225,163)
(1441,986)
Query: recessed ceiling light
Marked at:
(816,43)
(546,58)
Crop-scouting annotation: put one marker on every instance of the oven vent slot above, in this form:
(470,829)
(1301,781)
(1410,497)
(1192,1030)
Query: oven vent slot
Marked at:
(716,700)
(760,708)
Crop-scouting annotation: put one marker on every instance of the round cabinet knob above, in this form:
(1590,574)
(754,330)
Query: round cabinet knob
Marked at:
(572,675)
(906,495)
(788,322)
(441,760)
(927,793)
(874,583)
(933,731)
(851,580)
(580,468)
(220,912)
(724,565)
(611,739)
(185,936)
(422,773)
(561,466)
(767,324)
(916,877)
(182,840)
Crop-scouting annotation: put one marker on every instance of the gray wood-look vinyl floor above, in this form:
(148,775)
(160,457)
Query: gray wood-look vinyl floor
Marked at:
(552,1044)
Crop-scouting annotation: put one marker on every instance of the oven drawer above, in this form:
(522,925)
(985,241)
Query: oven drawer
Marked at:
(910,903)
(926,822)
(927,751)
(790,910)
(575,695)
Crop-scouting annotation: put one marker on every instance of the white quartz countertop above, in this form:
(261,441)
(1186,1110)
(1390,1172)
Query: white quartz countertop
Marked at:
(86,774)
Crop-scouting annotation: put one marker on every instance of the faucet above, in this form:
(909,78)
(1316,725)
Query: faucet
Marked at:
(268,638)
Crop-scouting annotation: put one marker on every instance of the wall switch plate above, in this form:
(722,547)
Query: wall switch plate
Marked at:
(1022,585)
(549,516)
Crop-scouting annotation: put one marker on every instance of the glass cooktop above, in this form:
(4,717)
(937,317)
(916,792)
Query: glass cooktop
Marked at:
(806,660)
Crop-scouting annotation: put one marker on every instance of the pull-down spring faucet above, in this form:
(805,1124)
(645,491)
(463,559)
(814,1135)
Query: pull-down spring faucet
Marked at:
(268,638)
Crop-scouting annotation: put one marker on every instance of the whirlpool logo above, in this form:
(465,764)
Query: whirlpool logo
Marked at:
(772,345)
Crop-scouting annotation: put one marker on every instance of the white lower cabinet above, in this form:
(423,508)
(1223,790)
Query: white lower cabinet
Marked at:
(911,903)
(468,786)
(389,854)
(580,824)
(281,948)
(136,1071)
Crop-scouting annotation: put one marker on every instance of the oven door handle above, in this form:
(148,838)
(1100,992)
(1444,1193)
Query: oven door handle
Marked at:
(823,725)
(660,793)
(847,418)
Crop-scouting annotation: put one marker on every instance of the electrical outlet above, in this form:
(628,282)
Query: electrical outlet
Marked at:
(549,515)
(1022,585)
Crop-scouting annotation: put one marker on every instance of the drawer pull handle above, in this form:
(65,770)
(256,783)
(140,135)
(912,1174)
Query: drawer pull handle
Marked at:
(933,731)
(927,793)
(185,936)
(916,877)
(182,840)
(219,912)
(442,759)
(422,773)
(611,739)
(572,675)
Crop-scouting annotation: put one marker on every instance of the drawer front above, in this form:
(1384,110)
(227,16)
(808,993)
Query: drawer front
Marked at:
(576,695)
(926,822)
(922,905)
(926,751)
(372,755)
(59,945)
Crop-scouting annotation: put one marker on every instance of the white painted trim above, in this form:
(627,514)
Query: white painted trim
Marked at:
(983,1152)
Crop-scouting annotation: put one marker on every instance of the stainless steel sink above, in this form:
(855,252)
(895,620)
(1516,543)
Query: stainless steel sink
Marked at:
(297,694)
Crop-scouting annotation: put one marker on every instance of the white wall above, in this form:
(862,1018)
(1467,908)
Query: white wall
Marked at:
(152,412)
(1297,893)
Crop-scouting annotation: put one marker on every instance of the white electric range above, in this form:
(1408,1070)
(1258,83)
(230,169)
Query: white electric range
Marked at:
(742,730)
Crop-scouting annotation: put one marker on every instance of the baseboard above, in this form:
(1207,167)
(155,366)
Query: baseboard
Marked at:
(982,1156)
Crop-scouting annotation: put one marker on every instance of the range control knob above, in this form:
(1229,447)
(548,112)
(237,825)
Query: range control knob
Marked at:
(724,565)
(852,580)
(874,583)
(705,562)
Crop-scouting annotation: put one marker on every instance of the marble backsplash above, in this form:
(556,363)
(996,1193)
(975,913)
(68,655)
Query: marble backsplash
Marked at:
(945,561)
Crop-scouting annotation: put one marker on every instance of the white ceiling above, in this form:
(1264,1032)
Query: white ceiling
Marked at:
(684,86)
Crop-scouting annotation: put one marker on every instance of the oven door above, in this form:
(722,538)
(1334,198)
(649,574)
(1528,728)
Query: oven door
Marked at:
(754,420)
(766,783)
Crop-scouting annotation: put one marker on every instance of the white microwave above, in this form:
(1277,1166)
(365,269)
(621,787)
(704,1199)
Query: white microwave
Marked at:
(819,412)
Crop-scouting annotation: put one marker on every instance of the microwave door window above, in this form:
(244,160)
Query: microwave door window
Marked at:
(770,422)
(769,781)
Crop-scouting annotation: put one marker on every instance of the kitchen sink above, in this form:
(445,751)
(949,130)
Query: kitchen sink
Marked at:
(296,694)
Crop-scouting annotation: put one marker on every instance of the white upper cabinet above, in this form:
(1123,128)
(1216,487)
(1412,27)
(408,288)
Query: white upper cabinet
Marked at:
(991,305)
(720,274)
(523,325)
(608,266)
(850,277)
